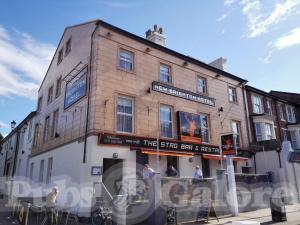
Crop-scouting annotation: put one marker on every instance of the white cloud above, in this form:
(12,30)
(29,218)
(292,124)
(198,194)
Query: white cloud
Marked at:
(287,40)
(260,22)
(223,17)
(23,63)
(4,125)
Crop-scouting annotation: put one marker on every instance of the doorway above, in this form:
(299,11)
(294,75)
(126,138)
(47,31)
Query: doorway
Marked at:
(205,167)
(172,161)
(113,175)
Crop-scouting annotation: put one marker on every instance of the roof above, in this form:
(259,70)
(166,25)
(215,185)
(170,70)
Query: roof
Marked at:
(171,52)
(289,96)
(153,45)
(28,117)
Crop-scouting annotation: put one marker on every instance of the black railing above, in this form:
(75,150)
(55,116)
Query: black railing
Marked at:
(267,145)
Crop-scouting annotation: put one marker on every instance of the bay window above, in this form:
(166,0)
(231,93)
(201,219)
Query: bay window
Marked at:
(290,114)
(268,131)
(258,132)
(236,130)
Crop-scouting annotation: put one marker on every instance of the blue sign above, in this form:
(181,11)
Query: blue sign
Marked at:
(76,88)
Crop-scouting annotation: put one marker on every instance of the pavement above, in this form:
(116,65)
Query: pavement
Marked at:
(263,216)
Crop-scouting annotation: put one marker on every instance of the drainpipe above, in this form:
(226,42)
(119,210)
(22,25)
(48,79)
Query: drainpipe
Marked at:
(88,98)
(279,129)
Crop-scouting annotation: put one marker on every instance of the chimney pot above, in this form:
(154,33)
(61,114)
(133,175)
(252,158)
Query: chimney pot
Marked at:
(156,35)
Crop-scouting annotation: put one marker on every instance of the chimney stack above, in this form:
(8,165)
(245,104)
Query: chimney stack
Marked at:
(220,63)
(156,35)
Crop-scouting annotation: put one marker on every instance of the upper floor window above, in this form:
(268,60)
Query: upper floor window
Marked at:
(257,104)
(54,123)
(49,170)
(46,129)
(68,47)
(269,107)
(236,130)
(40,102)
(126,59)
(58,87)
(232,95)
(50,95)
(29,130)
(293,138)
(201,85)
(166,121)
(125,115)
(290,114)
(165,73)
(268,131)
(41,171)
(281,111)
(60,56)
(205,135)
(36,134)
(258,132)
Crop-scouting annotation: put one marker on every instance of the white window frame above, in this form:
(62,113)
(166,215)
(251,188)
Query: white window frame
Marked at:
(257,103)
(268,132)
(41,171)
(269,107)
(49,170)
(281,111)
(126,60)
(239,133)
(203,87)
(205,128)
(259,135)
(166,121)
(232,97)
(125,114)
(290,115)
(162,73)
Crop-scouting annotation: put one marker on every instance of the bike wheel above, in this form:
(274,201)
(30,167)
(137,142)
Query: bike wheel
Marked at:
(97,218)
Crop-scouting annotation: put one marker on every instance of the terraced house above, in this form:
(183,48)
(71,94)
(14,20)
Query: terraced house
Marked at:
(109,95)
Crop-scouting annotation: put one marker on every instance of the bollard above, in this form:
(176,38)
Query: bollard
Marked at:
(27,213)
(119,210)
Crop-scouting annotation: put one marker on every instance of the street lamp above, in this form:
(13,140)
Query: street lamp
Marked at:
(13,124)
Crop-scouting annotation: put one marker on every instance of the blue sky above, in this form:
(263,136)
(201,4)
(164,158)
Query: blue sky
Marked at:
(260,39)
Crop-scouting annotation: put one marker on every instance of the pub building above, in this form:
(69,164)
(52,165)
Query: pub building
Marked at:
(109,95)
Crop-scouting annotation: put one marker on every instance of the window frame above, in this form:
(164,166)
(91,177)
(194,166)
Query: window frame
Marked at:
(46,129)
(267,133)
(171,121)
(41,171)
(208,127)
(39,104)
(50,94)
(36,134)
(54,125)
(235,100)
(269,107)
(60,56)
(133,60)
(259,105)
(125,114)
(68,43)
(281,111)
(205,85)
(293,119)
(49,170)
(170,73)
(239,134)
(58,87)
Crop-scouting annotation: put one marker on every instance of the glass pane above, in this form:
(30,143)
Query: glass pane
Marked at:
(201,85)
(166,129)
(165,113)
(124,105)
(165,73)
(124,123)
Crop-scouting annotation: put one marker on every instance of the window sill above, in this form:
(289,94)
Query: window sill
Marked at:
(127,71)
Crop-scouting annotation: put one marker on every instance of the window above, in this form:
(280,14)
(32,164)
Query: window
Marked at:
(46,129)
(50,95)
(268,131)
(204,128)
(36,135)
(39,106)
(126,60)
(41,172)
(269,107)
(293,139)
(232,95)
(54,123)
(281,111)
(29,130)
(19,167)
(290,114)
(166,121)
(201,85)
(125,115)
(285,134)
(236,130)
(58,87)
(165,73)
(68,47)
(60,56)
(257,104)
(49,170)
(31,171)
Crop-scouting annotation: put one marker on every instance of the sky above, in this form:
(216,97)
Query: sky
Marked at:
(260,39)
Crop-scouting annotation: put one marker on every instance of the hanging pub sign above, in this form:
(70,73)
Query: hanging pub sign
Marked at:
(189,127)
(76,88)
(177,92)
(138,142)
(228,147)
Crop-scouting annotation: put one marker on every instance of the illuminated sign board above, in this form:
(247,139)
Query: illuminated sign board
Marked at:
(76,88)
(189,127)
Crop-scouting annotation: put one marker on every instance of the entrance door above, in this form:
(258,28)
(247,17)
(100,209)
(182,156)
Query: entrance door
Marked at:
(141,160)
(205,167)
(113,175)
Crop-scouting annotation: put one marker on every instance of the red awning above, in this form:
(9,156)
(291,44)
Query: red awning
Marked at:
(217,157)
